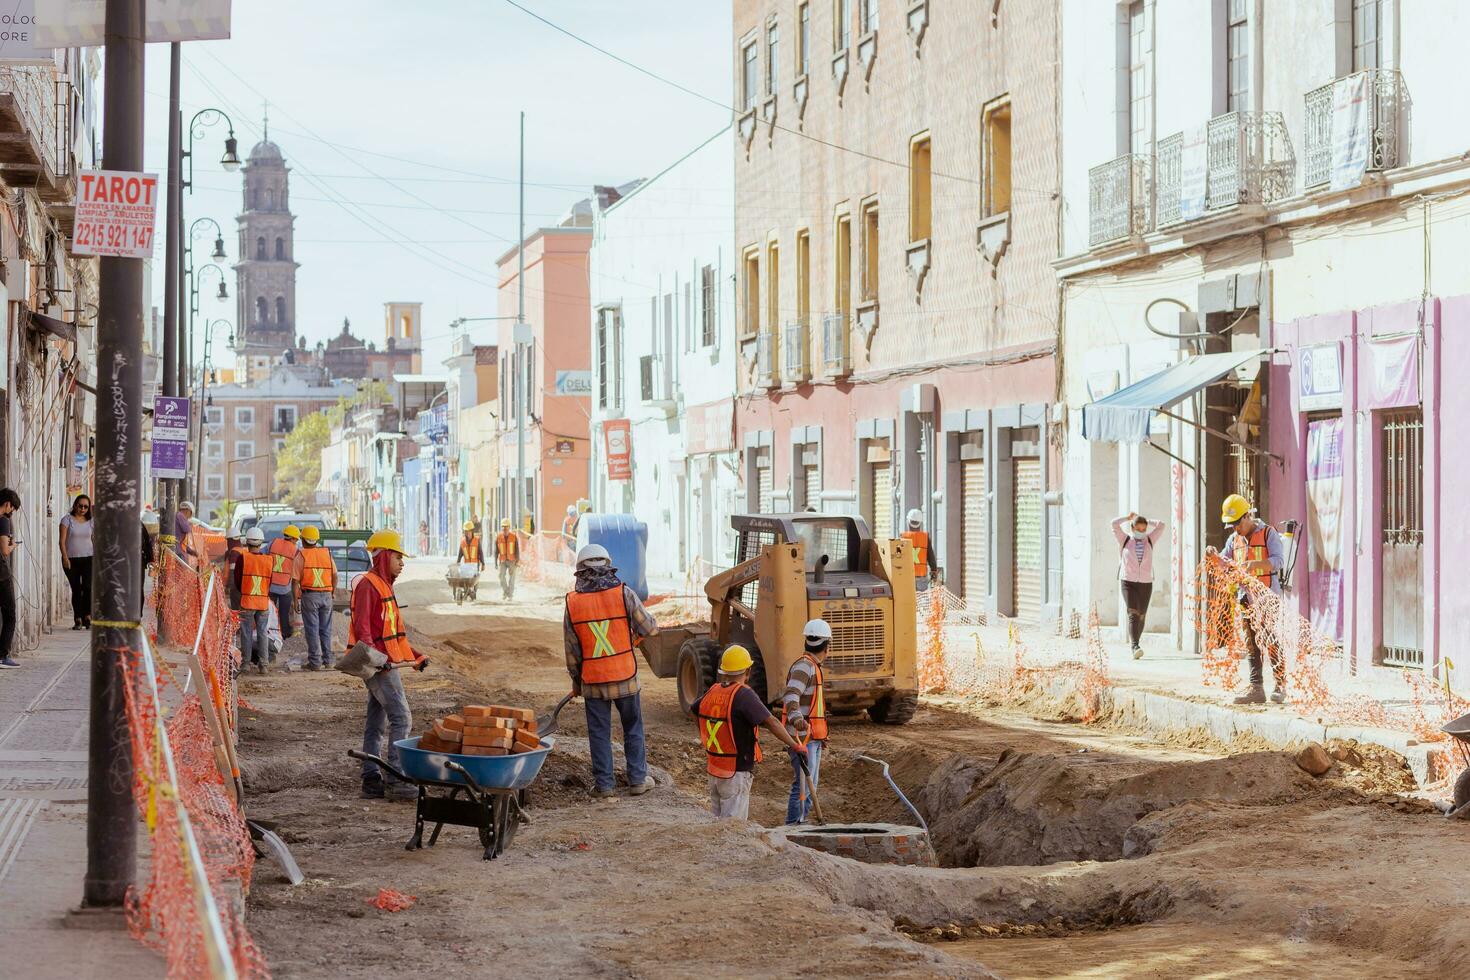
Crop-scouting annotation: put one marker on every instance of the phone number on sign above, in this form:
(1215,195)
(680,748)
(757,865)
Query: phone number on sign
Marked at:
(121,238)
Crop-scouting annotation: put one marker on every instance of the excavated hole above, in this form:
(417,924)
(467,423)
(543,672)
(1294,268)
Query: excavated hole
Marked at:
(1111,910)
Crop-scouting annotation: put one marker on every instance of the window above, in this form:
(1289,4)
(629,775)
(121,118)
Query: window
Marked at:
(260,248)
(285,418)
(773,60)
(214,415)
(214,449)
(688,318)
(752,323)
(996,154)
(773,287)
(920,181)
(280,248)
(244,416)
(603,367)
(803,38)
(244,449)
(270,198)
(869,281)
(707,306)
(1367,34)
(843,270)
(244,484)
(214,486)
(841,24)
(803,275)
(280,309)
(747,77)
(1237,57)
(1140,85)
(867,16)
(262,310)
(280,444)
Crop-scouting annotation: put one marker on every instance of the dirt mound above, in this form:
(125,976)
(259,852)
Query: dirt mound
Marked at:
(1041,809)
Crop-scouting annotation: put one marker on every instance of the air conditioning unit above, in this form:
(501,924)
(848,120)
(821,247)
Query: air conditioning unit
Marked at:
(796,347)
(836,346)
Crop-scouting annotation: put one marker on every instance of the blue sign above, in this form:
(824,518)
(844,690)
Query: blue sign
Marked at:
(79,461)
(170,459)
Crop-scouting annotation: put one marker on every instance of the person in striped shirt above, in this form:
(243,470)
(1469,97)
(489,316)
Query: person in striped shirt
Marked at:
(804,711)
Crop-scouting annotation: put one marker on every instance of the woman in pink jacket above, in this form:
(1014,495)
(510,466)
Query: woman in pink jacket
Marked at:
(1136,537)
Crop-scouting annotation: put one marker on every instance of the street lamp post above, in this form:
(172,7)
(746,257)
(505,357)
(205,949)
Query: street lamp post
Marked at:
(204,380)
(192,282)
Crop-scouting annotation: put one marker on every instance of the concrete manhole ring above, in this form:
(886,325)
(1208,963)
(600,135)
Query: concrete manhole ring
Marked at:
(870,843)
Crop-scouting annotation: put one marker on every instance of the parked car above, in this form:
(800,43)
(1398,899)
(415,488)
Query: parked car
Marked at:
(352,559)
(272,525)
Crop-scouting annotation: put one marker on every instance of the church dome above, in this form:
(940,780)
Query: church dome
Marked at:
(266,152)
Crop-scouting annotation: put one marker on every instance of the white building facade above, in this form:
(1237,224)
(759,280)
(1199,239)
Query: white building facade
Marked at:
(663,356)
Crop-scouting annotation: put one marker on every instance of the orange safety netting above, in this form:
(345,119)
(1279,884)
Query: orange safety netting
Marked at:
(547,557)
(169,912)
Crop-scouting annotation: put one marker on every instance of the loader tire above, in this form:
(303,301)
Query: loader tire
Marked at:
(895,709)
(699,660)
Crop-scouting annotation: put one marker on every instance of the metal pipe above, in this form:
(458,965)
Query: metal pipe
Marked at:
(116,576)
(912,809)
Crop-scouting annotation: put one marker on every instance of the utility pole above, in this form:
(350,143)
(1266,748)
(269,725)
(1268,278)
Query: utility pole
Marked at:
(172,250)
(523,379)
(181,288)
(116,575)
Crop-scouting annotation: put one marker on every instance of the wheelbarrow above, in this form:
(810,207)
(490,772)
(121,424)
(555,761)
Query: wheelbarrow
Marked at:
(1459,730)
(464,581)
(487,792)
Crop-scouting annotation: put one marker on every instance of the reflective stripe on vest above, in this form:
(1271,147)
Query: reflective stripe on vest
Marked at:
(816,719)
(393,641)
(715,724)
(920,541)
(255,577)
(507,546)
(1254,549)
(317,570)
(283,561)
(471,548)
(600,620)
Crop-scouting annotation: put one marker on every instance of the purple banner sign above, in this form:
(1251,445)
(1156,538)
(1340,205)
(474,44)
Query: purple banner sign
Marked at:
(170,459)
(170,419)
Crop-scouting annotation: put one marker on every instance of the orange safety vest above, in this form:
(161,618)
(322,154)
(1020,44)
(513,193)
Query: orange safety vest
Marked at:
(255,576)
(920,541)
(283,561)
(715,724)
(317,570)
(394,641)
(817,720)
(1254,549)
(507,546)
(569,526)
(600,620)
(471,548)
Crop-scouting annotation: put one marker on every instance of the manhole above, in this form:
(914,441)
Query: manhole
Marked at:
(871,843)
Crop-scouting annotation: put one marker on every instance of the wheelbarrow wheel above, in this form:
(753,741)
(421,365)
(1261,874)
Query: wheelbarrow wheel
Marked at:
(1462,789)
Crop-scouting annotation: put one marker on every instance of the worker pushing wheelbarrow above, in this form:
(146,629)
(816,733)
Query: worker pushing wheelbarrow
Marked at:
(464,574)
(1459,730)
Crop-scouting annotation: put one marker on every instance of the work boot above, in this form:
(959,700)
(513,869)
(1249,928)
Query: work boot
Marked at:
(642,787)
(1138,653)
(311,667)
(1256,695)
(1278,696)
(372,787)
(604,794)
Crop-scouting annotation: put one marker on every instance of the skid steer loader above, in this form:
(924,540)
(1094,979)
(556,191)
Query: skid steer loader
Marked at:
(791,568)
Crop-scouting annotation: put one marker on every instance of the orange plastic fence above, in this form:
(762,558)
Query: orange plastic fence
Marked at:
(547,558)
(167,912)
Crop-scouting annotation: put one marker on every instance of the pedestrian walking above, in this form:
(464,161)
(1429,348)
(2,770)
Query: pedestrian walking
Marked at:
(603,623)
(9,504)
(1136,538)
(507,558)
(315,580)
(76,559)
(804,713)
(283,552)
(251,581)
(726,718)
(1256,548)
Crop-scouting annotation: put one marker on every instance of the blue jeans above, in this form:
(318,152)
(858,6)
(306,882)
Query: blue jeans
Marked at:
(254,640)
(388,718)
(282,602)
(800,803)
(316,617)
(599,738)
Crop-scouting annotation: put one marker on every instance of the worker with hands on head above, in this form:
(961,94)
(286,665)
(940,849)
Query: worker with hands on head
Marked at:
(378,622)
(804,713)
(1255,546)
(726,717)
(603,623)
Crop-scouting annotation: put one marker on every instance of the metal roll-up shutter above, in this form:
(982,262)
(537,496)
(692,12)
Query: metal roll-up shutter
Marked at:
(881,504)
(974,536)
(1026,557)
(763,489)
(811,476)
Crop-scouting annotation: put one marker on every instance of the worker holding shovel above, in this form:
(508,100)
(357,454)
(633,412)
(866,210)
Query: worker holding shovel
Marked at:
(726,717)
(804,713)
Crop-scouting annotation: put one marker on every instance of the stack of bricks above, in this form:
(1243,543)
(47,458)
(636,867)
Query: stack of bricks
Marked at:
(494,729)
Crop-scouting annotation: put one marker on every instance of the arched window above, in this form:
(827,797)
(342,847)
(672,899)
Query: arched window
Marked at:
(280,248)
(280,309)
(260,248)
(270,197)
(262,310)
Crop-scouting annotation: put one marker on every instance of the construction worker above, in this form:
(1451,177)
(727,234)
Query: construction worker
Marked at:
(603,623)
(925,570)
(252,577)
(315,579)
(184,531)
(283,552)
(569,530)
(507,558)
(378,622)
(1256,547)
(469,547)
(804,713)
(725,719)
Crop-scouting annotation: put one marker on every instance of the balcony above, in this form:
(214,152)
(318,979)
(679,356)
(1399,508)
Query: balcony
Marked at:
(796,350)
(1246,158)
(34,148)
(836,346)
(1117,199)
(766,373)
(1379,141)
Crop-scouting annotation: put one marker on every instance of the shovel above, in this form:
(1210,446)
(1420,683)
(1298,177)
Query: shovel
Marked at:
(547,724)
(811,790)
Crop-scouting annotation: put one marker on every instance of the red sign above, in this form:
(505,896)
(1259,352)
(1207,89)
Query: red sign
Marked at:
(115,213)
(619,441)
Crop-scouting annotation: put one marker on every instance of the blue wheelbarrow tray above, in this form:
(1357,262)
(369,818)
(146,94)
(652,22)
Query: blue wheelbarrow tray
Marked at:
(488,771)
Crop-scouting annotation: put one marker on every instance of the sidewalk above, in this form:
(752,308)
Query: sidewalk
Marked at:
(43,813)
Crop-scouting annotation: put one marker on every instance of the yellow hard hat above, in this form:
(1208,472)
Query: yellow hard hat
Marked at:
(386,541)
(469,525)
(505,522)
(735,659)
(310,534)
(1234,508)
(293,532)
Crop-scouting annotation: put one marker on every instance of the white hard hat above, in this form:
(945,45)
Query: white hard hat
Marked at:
(916,516)
(592,552)
(186,506)
(571,508)
(255,536)
(817,629)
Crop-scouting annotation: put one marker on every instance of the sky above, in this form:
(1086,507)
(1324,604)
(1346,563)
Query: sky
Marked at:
(399,123)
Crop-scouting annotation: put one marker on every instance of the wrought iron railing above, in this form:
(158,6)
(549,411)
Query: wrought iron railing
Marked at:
(836,345)
(766,374)
(1250,159)
(795,345)
(1168,173)
(1117,198)
(1387,105)
(35,93)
